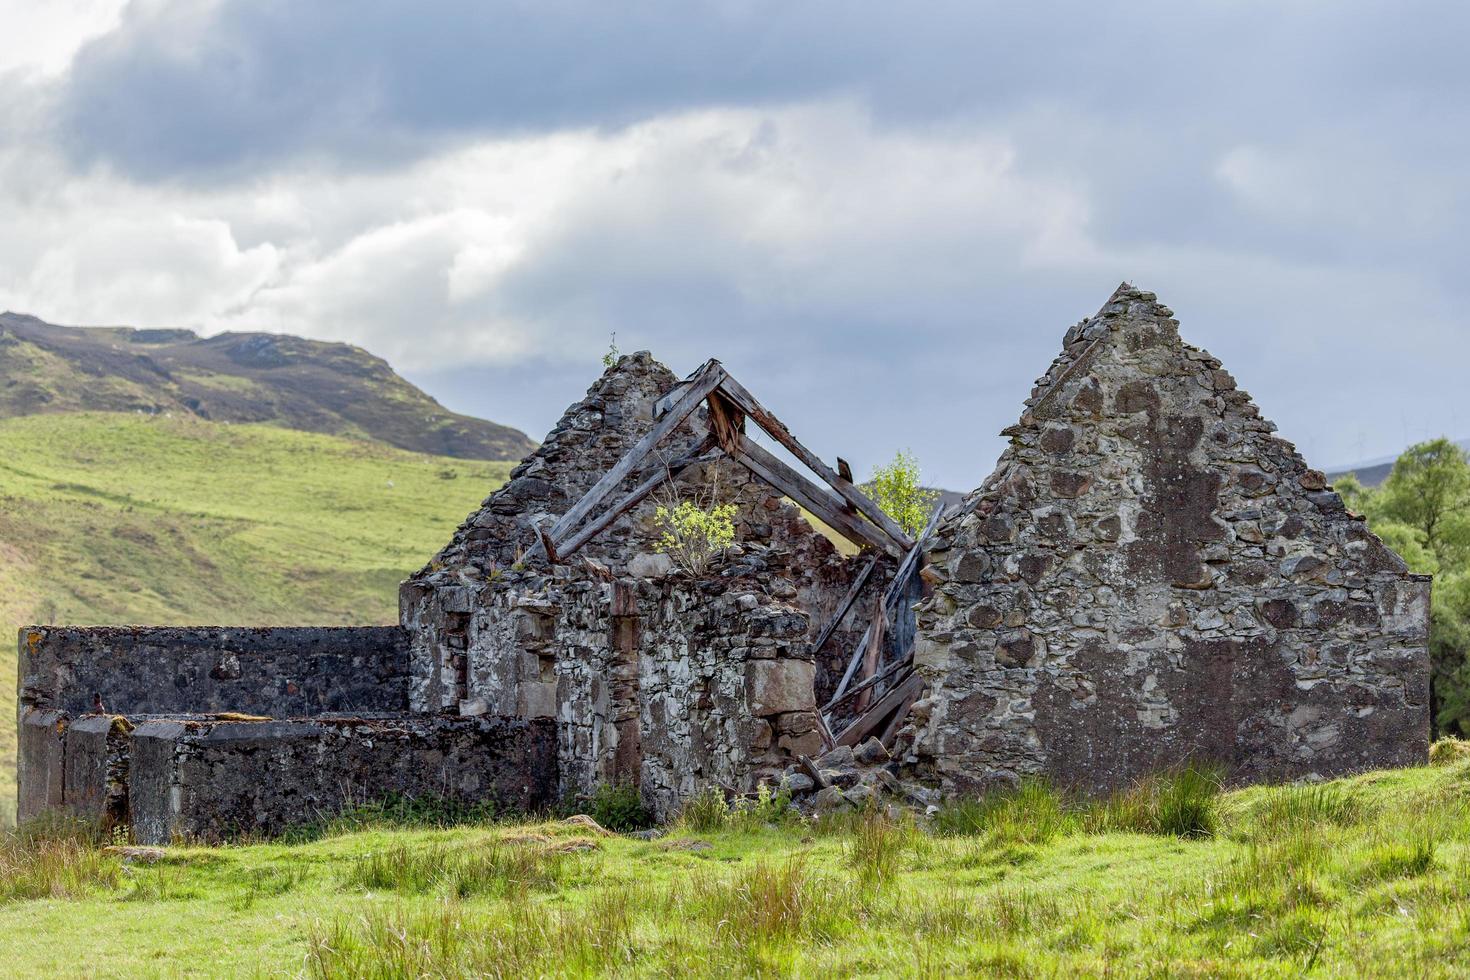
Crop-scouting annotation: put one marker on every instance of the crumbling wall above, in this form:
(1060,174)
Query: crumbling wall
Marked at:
(439,604)
(1151,576)
(275,671)
(654,678)
(212,780)
(664,682)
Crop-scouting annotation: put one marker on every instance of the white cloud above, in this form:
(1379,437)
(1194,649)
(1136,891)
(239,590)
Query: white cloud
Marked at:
(40,37)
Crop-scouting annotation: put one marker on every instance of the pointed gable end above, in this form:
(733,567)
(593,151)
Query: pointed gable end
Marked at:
(1151,576)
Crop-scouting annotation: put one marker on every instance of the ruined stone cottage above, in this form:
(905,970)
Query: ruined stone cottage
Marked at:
(1148,576)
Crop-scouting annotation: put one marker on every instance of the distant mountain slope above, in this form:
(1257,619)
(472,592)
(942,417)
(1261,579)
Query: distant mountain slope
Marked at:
(302,384)
(1373,473)
(108,518)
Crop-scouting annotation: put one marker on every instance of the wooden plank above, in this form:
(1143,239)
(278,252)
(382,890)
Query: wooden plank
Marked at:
(860,580)
(898,666)
(874,653)
(700,385)
(844,471)
(898,719)
(860,729)
(807,494)
(547,545)
(812,771)
(658,476)
(847,491)
(896,589)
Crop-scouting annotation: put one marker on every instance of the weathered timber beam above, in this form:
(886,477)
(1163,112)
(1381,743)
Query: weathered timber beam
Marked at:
(846,490)
(807,494)
(700,384)
(896,589)
(659,475)
(896,722)
(853,590)
(876,715)
(898,666)
(873,656)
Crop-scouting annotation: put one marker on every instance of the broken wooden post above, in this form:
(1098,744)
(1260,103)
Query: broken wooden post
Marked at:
(874,653)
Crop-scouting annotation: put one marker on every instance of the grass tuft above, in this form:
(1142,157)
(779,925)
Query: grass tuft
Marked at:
(55,857)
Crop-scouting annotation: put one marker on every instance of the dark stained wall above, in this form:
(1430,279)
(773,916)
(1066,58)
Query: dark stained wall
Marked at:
(1150,576)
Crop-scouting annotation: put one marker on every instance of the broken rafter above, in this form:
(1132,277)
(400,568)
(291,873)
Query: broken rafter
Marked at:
(696,389)
(659,475)
(873,654)
(807,494)
(898,666)
(726,421)
(853,591)
(846,490)
(890,599)
(910,687)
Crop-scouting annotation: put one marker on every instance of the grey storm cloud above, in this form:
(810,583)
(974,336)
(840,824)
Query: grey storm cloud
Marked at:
(182,87)
(909,202)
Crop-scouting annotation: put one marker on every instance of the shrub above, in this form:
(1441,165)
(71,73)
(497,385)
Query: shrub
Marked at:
(706,811)
(1182,802)
(1449,750)
(895,488)
(766,808)
(619,807)
(1029,813)
(694,536)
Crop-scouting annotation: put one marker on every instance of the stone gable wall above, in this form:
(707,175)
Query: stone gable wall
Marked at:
(1151,576)
(648,673)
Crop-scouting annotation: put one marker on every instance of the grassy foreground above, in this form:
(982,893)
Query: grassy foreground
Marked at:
(125,518)
(1361,877)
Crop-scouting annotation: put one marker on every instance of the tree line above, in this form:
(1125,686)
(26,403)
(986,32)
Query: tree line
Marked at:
(1422,511)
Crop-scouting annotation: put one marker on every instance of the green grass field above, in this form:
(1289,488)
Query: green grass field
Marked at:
(112,518)
(1361,877)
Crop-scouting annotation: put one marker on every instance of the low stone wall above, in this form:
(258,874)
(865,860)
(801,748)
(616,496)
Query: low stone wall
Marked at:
(213,780)
(273,671)
(210,779)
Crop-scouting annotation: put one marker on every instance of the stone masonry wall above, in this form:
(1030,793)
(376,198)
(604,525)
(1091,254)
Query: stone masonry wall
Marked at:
(495,543)
(648,673)
(275,671)
(211,780)
(1151,576)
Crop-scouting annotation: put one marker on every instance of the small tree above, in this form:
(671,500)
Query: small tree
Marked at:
(1429,490)
(611,356)
(897,490)
(695,530)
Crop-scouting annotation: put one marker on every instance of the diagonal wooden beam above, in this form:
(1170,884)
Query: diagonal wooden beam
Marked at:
(860,580)
(847,491)
(896,589)
(659,476)
(700,384)
(890,702)
(809,495)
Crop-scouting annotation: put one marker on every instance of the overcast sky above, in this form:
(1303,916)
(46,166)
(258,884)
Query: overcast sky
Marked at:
(882,217)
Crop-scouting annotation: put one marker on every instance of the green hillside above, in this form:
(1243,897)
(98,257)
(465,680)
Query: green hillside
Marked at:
(126,518)
(336,389)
